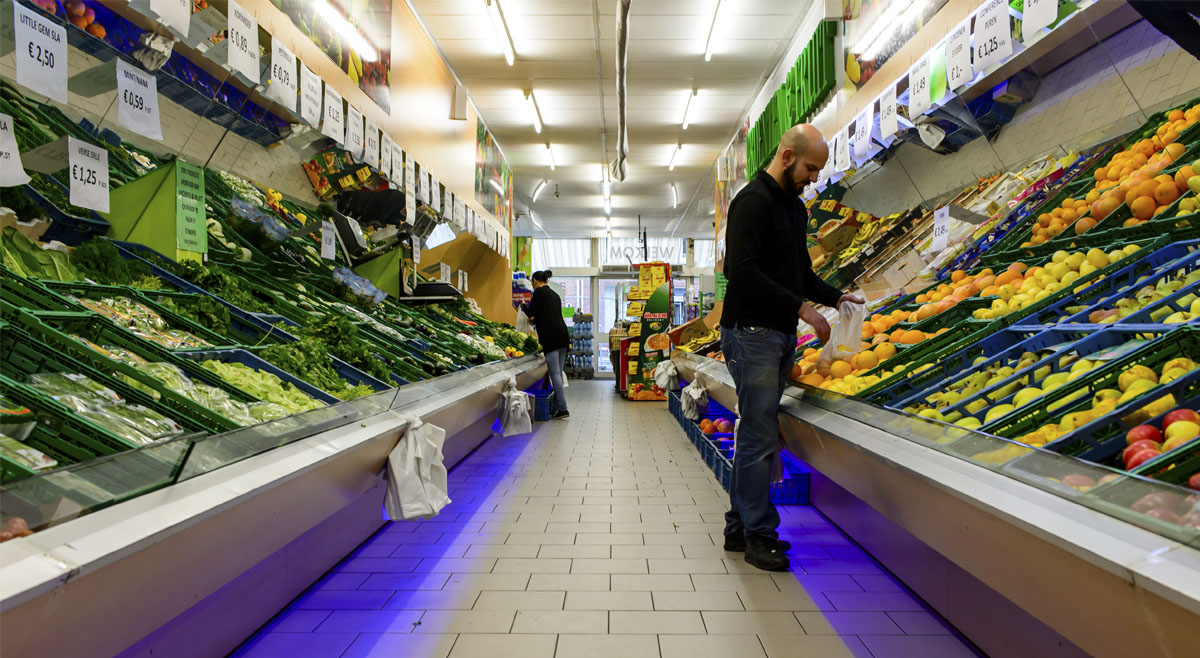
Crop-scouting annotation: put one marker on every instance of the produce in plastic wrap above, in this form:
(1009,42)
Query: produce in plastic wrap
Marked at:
(116,425)
(31,458)
(147,421)
(75,391)
(264,386)
(16,420)
(265,412)
(170,375)
(142,321)
(218,401)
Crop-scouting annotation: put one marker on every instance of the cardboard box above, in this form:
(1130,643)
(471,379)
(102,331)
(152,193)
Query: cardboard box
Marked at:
(839,238)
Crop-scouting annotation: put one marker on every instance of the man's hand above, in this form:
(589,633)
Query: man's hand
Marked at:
(816,321)
(853,299)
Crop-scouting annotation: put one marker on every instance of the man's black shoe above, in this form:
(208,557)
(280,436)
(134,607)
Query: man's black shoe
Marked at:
(560,414)
(764,553)
(737,544)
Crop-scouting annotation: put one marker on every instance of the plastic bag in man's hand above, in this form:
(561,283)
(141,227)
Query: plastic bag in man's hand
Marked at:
(845,337)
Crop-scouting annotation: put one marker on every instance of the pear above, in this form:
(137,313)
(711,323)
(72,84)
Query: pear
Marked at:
(1135,390)
(1041,373)
(1181,362)
(1105,394)
(931,413)
(1082,364)
(1054,381)
(1136,373)
(976,406)
(1025,396)
(998,411)
(969,423)
(1070,398)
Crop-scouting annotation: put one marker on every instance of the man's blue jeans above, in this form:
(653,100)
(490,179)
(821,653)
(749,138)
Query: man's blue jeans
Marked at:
(759,360)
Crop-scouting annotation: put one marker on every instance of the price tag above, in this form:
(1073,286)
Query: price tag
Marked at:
(328,241)
(310,96)
(843,150)
(1038,14)
(11,171)
(191,229)
(398,165)
(354,131)
(460,214)
(435,193)
(862,132)
(243,42)
(282,89)
(410,189)
(416,250)
(89,175)
(175,14)
(371,145)
(385,155)
(941,228)
(888,125)
(993,43)
(958,56)
(918,89)
(137,98)
(333,122)
(41,48)
(423,187)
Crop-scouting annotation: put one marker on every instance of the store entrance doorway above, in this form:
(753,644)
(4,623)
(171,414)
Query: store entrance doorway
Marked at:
(613,298)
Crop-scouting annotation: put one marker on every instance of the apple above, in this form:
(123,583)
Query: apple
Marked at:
(1178,415)
(1138,447)
(1076,480)
(1141,457)
(1194,481)
(1142,432)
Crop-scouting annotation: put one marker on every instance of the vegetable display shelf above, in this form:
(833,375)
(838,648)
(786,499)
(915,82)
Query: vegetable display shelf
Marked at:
(248,359)
(65,227)
(51,330)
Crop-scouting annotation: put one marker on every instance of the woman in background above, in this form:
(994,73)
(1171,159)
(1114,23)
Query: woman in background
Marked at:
(545,311)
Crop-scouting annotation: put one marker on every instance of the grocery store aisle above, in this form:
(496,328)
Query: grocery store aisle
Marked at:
(599,536)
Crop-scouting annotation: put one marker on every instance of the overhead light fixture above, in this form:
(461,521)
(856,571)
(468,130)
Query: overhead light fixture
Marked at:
(687,109)
(538,190)
(550,153)
(671,164)
(708,45)
(496,186)
(674,196)
(352,36)
(534,113)
(501,28)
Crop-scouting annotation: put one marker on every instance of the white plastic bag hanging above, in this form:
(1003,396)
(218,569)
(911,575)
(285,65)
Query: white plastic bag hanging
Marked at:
(666,376)
(514,410)
(523,324)
(845,336)
(417,478)
(694,398)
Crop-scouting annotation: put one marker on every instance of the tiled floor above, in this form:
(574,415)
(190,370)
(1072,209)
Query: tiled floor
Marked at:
(599,536)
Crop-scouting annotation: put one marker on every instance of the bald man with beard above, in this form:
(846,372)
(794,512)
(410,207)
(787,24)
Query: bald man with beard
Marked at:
(770,276)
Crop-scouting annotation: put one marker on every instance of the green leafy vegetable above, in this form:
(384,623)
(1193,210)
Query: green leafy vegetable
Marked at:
(264,386)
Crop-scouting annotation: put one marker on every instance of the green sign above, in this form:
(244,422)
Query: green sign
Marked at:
(191,229)
(722,283)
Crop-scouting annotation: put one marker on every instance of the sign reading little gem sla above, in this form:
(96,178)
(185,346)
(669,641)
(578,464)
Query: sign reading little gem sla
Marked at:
(41,49)
(191,229)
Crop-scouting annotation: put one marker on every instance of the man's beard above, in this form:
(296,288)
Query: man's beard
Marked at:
(789,182)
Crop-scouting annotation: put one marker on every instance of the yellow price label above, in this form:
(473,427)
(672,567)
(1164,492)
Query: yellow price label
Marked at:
(828,204)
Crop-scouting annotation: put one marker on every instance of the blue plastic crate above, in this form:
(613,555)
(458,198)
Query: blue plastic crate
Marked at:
(541,403)
(250,360)
(794,489)
(64,227)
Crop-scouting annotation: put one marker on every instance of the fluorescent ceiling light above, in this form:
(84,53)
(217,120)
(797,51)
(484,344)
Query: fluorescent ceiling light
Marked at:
(496,185)
(550,152)
(534,113)
(345,30)
(675,152)
(687,109)
(674,196)
(708,44)
(538,190)
(501,28)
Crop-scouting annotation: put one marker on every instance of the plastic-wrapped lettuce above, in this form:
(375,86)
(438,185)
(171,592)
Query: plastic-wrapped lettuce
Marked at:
(265,412)
(116,425)
(147,421)
(264,385)
(170,375)
(75,391)
(218,401)
(31,458)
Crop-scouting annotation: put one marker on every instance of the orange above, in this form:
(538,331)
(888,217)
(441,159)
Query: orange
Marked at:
(1170,136)
(1132,221)
(866,360)
(1006,277)
(1091,197)
(989,291)
(885,351)
(1160,210)
(1143,207)
(1166,194)
(814,380)
(986,280)
(868,330)
(1164,178)
(1104,207)
(1174,151)
(1084,225)
(839,369)
(1044,219)
(797,372)
(706,426)
(1181,177)
(1175,115)
(1069,216)
(957,275)
(922,298)
(1101,173)
(912,337)
(879,339)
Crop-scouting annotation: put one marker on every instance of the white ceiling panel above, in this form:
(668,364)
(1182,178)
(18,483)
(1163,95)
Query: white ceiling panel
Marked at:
(556,57)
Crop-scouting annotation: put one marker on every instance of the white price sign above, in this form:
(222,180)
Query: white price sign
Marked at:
(371,145)
(41,53)
(354,131)
(333,123)
(423,187)
(328,241)
(89,174)
(282,89)
(11,171)
(416,250)
(435,193)
(842,159)
(862,132)
(243,42)
(941,228)
(918,89)
(310,96)
(398,166)
(993,43)
(888,125)
(958,56)
(1038,14)
(386,146)
(176,14)
(137,98)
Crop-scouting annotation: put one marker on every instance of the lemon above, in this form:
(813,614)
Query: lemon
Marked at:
(1097,258)
(1059,256)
